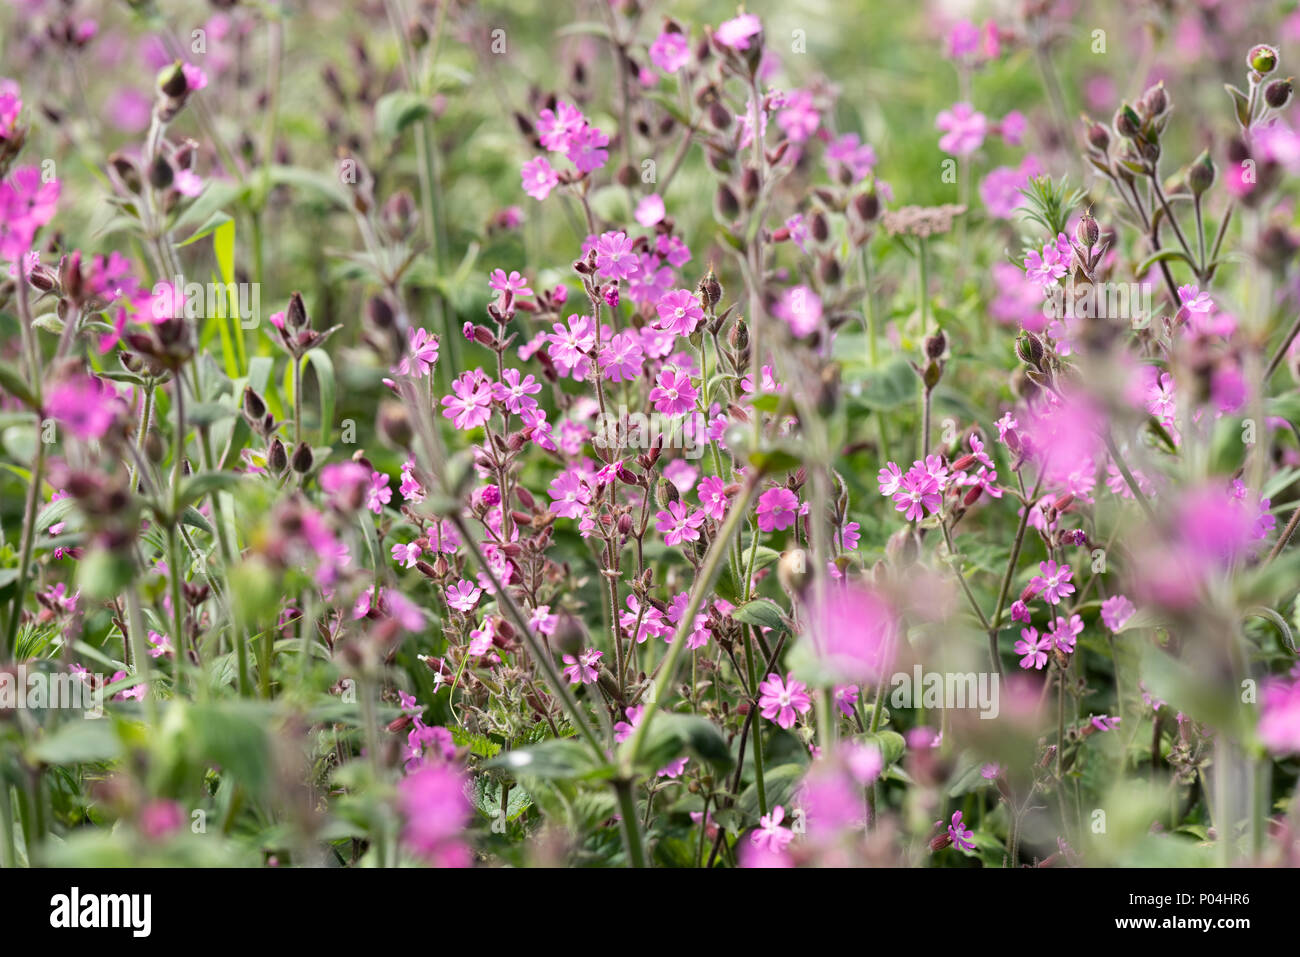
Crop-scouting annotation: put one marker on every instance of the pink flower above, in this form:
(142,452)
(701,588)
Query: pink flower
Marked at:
(1279,716)
(623,729)
(847,154)
(1054,582)
(801,308)
(846,696)
(85,404)
(960,834)
(853,634)
(407,554)
(1000,189)
(1013,127)
(679,312)
(713,497)
(1033,648)
(27,203)
(471,404)
(463,595)
(650,210)
(1116,611)
(614,256)
(622,357)
(159,645)
(918,493)
(1064,633)
(799,116)
(777,509)
(770,835)
(542,621)
(512,283)
(587,149)
(539,178)
(964,129)
(433,806)
(1046,267)
(378,494)
(583,668)
(571,495)
(421,354)
(11,105)
(516,394)
(679,524)
(673,392)
(160,818)
(670,51)
(737,32)
(556,128)
(781,701)
(195,78)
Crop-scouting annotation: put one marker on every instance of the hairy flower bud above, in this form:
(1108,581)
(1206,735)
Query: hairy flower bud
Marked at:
(1278,93)
(1127,123)
(1030,348)
(277,459)
(302,458)
(1202,173)
(1087,232)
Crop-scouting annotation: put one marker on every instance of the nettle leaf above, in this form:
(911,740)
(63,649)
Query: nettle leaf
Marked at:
(891,744)
(78,742)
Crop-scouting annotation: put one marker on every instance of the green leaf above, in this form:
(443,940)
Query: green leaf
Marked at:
(558,759)
(53,513)
(78,742)
(102,574)
(13,383)
(1163,255)
(198,487)
(762,613)
(778,784)
(396,111)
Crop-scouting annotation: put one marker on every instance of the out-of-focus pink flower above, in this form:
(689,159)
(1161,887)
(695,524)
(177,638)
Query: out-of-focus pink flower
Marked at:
(650,210)
(1279,716)
(670,51)
(964,129)
(854,634)
(87,405)
(435,812)
(539,178)
(737,32)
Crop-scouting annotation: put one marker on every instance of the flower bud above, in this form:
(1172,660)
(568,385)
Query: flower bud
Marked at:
(725,204)
(1202,173)
(1098,136)
(277,460)
(1127,123)
(666,493)
(254,406)
(395,423)
(936,344)
(1087,232)
(1029,347)
(1278,93)
(302,458)
(295,316)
